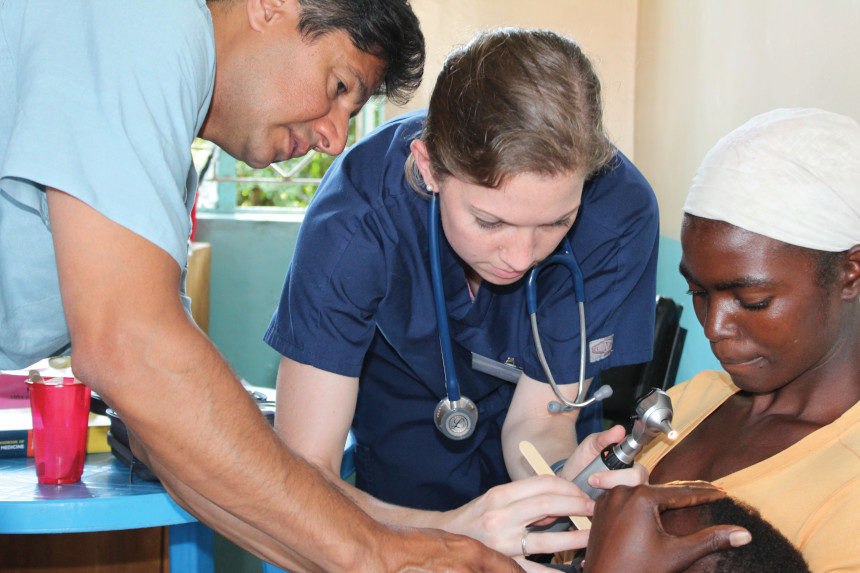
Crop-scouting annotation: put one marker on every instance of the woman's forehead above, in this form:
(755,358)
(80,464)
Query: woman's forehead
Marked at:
(712,247)
(726,236)
(525,196)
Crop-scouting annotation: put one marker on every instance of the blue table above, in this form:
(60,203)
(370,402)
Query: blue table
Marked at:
(104,500)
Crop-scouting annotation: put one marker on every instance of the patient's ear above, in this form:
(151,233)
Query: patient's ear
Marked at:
(851,274)
(684,521)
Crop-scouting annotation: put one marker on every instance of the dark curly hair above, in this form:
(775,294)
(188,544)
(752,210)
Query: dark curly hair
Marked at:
(387,29)
(769,551)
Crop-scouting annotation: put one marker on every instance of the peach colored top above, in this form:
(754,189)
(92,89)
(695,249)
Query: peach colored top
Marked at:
(810,491)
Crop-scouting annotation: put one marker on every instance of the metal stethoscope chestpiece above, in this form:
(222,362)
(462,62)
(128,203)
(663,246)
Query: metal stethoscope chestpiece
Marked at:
(456,419)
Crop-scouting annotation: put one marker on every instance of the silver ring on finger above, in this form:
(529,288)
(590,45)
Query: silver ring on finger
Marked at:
(523,543)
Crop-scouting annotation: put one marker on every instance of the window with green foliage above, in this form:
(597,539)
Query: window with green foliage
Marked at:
(228,185)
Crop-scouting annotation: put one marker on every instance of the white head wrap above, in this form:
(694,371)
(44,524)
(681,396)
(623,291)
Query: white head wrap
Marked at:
(789,174)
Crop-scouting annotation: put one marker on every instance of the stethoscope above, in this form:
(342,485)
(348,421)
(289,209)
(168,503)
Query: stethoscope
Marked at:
(455,415)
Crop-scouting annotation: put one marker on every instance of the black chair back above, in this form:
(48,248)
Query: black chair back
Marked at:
(630,382)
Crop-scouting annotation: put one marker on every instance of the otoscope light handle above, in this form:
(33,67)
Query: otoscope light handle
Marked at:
(606,460)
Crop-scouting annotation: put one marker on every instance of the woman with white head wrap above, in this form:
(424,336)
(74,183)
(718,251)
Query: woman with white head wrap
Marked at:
(771,252)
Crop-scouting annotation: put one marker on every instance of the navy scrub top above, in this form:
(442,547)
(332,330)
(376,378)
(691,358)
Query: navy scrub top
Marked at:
(358,301)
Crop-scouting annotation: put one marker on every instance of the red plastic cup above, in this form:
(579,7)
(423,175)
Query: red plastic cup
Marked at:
(61,408)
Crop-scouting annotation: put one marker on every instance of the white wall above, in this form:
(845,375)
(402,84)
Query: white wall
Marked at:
(706,66)
(679,74)
(605,29)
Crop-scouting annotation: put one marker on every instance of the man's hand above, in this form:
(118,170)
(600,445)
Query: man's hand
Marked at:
(627,534)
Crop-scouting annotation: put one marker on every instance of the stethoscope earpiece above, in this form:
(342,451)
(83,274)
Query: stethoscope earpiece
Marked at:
(555,407)
(565,258)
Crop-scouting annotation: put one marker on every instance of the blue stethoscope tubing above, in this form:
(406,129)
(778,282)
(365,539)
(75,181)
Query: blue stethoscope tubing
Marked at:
(452,385)
(564,257)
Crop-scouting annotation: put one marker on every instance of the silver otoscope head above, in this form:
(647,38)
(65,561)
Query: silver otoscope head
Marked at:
(653,417)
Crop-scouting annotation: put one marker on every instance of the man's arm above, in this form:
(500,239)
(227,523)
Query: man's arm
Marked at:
(314,412)
(133,343)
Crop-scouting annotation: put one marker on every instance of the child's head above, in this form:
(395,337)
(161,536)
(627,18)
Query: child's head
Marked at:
(769,550)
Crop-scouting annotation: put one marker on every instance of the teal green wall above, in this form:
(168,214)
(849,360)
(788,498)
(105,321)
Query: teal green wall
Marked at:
(697,355)
(250,256)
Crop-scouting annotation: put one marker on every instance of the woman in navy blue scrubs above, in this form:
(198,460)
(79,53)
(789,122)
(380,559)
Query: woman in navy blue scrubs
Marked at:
(513,144)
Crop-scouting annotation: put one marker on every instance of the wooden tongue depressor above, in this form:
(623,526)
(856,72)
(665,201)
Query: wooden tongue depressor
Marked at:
(542,468)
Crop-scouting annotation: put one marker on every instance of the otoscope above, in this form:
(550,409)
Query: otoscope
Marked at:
(653,416)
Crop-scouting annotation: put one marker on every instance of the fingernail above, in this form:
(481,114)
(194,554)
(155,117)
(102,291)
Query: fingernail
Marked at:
(593,481)
(738,538)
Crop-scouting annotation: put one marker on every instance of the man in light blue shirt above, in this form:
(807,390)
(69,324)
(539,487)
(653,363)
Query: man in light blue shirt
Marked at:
(99,103)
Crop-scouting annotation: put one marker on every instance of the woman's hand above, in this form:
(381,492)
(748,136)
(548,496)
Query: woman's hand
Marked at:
(589,449)
(499,517)
(627,534)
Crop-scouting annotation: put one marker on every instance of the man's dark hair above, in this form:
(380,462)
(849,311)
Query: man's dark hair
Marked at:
(769,550)
(387,29)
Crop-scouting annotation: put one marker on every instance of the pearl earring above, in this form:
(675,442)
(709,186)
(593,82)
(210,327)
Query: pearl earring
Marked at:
(429,188)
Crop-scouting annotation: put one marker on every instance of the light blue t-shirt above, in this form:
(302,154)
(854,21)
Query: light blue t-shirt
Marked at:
(102,100)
